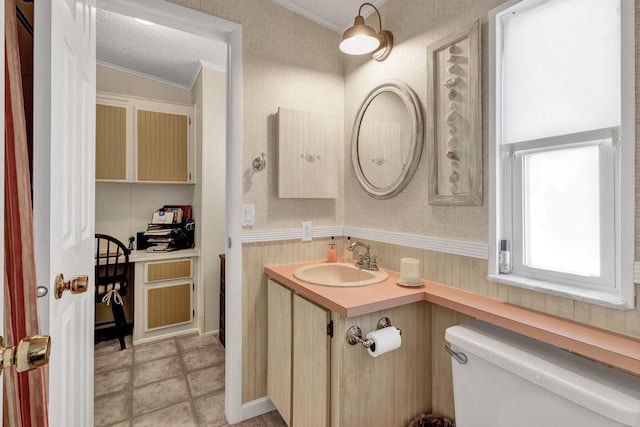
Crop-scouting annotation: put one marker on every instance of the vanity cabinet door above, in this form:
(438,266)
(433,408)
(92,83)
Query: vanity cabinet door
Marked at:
(310,364)
(297,358)
(279,339)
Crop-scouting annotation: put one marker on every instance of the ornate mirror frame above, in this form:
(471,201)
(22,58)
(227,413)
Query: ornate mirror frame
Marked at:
(412,104)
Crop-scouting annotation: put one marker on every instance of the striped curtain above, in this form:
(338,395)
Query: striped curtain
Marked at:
(25,398)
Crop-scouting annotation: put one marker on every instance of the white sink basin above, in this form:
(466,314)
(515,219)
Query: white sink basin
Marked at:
(337,274)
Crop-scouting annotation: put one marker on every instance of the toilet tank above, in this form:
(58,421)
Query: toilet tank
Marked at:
(511,380)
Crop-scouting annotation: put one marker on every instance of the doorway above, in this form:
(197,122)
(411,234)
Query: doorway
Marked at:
(168,14)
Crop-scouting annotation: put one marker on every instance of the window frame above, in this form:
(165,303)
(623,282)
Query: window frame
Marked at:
(506,161)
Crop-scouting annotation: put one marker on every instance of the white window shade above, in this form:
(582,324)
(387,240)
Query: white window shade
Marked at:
(561,70)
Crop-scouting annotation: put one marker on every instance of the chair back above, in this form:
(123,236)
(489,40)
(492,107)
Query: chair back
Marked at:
(111,264)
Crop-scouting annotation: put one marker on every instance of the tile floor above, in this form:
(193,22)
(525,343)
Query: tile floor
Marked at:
(175,382)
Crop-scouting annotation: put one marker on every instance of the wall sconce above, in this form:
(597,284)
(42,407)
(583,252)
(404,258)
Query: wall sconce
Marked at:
(361,38)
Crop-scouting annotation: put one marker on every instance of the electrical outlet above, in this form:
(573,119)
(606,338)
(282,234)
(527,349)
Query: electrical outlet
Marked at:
(307,233)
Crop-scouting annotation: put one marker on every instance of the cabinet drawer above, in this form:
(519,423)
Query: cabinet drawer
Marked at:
(168,305)
(169,270)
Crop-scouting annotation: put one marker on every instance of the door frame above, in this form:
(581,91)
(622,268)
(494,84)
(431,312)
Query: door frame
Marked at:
(189,20)
(2,91)
(192,21)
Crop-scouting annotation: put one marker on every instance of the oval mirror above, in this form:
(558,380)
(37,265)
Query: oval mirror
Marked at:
(386,142)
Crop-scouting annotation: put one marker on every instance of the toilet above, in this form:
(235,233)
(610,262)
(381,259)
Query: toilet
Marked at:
(510,380)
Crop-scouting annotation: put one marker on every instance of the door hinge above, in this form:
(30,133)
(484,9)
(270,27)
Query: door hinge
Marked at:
(193,286)
(189,120)
(330,328)
(229,242)
(193,314)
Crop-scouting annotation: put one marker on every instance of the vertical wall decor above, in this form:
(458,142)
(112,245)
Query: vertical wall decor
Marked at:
(454,110)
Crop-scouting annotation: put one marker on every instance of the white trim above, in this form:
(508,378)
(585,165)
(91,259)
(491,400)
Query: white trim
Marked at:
(257,407)
(591,296)
(289,234)
(333,26)
(456,247)
(636,272)
(233,290)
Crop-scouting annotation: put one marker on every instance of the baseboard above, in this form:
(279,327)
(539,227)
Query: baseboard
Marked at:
(256,407)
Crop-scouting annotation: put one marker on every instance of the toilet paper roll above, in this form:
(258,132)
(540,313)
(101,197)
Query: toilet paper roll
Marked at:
(384,341)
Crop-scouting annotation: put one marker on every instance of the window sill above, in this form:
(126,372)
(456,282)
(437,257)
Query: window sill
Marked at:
(579,294)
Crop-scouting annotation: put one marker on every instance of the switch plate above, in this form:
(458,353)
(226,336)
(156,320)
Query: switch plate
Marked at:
(307,233)
(248,212)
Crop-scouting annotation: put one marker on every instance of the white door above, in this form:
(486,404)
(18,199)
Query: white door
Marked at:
(64,172)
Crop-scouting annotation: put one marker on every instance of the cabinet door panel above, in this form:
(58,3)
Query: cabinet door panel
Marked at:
(162,146)
(168,305)
(279,349)
(310,364)
(168,270)
(111,142)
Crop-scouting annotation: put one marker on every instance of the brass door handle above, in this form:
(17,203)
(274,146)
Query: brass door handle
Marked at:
(77,285)
(30,353)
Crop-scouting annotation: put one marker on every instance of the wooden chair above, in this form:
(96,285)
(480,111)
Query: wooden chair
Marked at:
(112,267)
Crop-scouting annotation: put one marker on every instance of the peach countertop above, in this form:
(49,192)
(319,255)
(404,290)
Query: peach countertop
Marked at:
(612,349)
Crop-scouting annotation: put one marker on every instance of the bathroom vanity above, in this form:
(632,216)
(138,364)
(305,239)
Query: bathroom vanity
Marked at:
(316,378)
(395,387)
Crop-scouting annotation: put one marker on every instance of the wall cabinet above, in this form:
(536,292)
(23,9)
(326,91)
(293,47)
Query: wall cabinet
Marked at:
(317,380)
(307,155)
(143,141)
(165,291)
(298,358)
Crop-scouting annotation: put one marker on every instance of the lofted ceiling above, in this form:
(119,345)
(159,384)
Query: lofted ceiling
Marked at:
(174,57)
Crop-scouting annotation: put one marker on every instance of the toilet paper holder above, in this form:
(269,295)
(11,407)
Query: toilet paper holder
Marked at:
(354,333)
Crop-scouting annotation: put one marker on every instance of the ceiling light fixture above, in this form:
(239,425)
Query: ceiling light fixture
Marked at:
(361,38)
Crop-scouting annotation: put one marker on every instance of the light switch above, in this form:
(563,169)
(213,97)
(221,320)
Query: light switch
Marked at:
(248,212)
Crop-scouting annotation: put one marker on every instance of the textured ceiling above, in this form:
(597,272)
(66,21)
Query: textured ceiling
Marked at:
(154,51)
(336,15)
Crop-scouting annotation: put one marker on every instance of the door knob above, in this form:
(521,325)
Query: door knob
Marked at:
(30,353)
(77,285)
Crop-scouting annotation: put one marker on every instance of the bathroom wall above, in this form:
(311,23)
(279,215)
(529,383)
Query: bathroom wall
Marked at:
(288,61)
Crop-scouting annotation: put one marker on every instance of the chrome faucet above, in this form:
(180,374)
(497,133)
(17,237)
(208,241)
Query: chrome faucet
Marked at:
(364,258)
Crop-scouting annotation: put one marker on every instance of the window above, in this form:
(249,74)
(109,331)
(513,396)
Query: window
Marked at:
(562,136)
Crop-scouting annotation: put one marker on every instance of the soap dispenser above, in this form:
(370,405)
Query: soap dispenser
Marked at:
(332,253)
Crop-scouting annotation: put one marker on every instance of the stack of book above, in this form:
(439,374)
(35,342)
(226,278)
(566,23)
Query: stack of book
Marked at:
(161,232)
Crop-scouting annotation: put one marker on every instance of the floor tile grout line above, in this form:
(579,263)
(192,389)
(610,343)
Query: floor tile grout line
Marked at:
(181,352)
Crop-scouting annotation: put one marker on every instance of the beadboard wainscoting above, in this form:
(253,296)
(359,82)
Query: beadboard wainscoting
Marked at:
(454,263)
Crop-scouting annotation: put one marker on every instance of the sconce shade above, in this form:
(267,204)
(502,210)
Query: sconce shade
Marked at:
(359,39)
